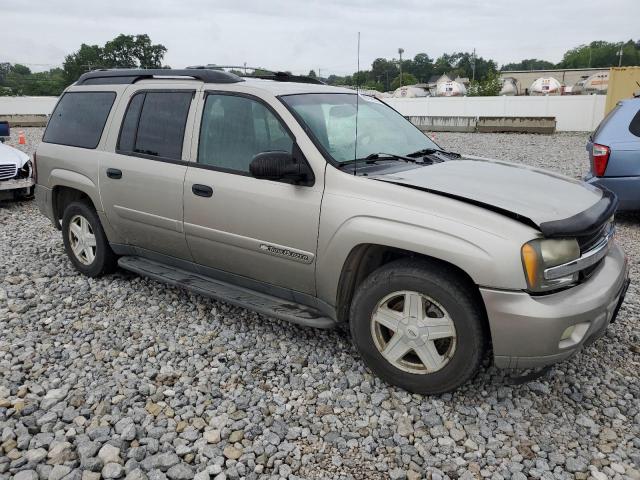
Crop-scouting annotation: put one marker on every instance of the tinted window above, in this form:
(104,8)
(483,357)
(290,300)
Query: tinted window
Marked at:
(79,118)
(130,124)
(634,126)
(235,129)
(154,124)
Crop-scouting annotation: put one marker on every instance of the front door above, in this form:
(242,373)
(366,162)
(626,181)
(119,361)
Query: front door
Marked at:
(141,186)
(259,229)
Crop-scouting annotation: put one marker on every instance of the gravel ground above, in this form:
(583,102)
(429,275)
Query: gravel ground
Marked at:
(123,376)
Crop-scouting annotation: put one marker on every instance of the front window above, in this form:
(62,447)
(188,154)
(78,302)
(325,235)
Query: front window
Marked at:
(380,129)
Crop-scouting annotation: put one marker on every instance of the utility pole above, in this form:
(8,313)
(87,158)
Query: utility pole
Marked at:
(400,52)
(620,55)
(473,65)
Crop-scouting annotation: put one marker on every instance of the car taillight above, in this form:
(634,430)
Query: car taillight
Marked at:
(600,159)
(35,168)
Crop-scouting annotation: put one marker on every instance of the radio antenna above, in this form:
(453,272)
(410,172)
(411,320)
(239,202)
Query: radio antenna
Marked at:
(355,143)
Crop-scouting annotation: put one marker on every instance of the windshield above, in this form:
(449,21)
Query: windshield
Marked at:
(332,120)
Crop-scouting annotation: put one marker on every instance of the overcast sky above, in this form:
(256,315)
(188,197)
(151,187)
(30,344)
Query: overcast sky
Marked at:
(299,35)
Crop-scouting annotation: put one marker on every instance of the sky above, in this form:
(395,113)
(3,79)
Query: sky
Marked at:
(299,35)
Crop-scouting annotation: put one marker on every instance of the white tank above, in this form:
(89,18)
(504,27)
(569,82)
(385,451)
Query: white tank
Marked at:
(409,91)
(546,86)
(450,89)
(597,83)
(509,87)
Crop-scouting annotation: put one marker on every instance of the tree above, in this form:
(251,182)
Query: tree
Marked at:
(407,79)
(529,64)
(601,54)
(490,86)
(420,67)
(124,51)
(312,74)
(384,71)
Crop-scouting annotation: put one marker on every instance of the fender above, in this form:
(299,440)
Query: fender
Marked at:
(59,177)
(441,240)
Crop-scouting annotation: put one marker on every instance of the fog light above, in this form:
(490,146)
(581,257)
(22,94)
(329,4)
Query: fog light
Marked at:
(567,333)
(573,335)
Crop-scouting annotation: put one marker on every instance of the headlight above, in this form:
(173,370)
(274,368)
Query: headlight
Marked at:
(540,254)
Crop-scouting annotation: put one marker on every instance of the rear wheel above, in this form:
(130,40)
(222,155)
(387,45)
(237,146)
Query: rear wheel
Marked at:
(85,241)
(418,325)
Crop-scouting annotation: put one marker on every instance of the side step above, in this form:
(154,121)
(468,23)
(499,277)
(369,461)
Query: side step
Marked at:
(242,297)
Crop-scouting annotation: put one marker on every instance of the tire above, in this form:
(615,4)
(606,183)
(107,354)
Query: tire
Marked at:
(92,260)
(443,299)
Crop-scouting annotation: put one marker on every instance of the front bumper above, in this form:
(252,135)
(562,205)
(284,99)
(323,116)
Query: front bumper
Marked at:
(9,187)
(16,184)
(527,331)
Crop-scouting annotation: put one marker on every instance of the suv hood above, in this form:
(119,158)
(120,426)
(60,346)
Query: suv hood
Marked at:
(555,204)
(10,155)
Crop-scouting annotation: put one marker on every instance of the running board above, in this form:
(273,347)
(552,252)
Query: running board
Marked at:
(242,297)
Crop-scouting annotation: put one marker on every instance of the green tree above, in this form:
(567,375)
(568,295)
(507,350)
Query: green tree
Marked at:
(601,54)
(529,64)
(124,51)
(407,79)
(312,74)
(490,86)
(421,67)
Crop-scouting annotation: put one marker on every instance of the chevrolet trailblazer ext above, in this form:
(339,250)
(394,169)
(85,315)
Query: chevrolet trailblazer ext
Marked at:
(258,192)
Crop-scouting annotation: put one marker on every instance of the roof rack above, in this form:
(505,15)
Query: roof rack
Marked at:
(267,75)
(128,76)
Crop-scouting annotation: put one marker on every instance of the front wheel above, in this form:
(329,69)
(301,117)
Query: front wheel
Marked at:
(85,241)
(418,326)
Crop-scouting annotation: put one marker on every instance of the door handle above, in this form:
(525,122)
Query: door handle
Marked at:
(201,190)
(114,173)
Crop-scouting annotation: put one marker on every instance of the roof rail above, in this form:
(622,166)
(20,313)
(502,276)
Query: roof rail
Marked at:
(267,75)
(128,76)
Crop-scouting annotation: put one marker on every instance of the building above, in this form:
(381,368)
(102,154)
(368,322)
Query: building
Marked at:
(567,76)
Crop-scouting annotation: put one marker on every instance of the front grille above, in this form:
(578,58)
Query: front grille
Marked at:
(8,171)
(587,242)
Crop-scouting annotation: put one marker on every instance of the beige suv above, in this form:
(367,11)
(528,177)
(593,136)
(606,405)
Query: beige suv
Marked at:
(320,206)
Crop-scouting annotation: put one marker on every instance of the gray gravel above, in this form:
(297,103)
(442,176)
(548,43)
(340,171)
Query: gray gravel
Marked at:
(123,377)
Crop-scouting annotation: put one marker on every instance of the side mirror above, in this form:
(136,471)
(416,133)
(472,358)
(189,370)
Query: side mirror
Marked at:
(280,165)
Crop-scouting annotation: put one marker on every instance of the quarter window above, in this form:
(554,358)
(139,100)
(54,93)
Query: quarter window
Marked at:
(234,129)
(154,124)
(634,126)
(79,118)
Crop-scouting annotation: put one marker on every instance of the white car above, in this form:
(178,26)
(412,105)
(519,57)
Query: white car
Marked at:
(16,173)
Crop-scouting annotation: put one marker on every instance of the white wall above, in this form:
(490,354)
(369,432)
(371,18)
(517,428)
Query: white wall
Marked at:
(577,113)
(27,105)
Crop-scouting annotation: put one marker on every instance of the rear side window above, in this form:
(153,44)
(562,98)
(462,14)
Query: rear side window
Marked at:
(634,126)
(154,124)
(79,119)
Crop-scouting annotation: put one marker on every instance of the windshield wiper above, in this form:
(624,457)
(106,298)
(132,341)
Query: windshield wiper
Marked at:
(380,156)
(430,151)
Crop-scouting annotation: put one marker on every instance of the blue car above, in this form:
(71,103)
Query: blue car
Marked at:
(614,152)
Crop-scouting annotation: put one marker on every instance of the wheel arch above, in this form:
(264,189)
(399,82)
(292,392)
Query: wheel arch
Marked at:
(62,196)
(365,258)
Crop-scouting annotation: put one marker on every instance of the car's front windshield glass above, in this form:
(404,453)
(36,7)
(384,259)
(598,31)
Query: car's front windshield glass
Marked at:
(331,117)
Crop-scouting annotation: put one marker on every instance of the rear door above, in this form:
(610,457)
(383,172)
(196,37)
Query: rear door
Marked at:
(261,230)
(141,184)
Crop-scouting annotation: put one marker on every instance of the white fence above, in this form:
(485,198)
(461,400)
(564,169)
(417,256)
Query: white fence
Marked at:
(577,113)
(27,105)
